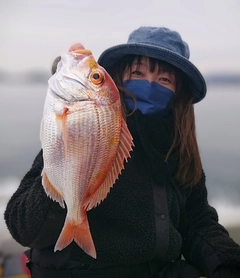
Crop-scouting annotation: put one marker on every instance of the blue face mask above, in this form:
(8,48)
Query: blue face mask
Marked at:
(151,98)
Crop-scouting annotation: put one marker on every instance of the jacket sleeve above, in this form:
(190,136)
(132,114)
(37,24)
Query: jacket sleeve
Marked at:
(32,218)
(207,243)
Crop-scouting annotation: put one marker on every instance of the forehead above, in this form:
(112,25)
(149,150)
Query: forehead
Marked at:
(141,60)
(152,64)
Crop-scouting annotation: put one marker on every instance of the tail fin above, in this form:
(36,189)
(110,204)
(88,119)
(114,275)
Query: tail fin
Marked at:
(80,233)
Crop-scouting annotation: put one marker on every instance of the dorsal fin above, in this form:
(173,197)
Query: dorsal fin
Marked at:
(123,153)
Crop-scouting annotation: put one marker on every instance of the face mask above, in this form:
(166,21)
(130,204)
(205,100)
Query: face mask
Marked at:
(151,98)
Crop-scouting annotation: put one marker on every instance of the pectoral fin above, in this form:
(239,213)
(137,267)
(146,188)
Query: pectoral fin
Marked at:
(61,115)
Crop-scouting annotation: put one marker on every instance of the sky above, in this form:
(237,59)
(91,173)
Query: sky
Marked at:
(34,32)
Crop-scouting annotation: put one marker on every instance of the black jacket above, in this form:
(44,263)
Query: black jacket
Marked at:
(142,201)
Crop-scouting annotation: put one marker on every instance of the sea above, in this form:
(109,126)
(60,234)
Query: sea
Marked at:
(217,127)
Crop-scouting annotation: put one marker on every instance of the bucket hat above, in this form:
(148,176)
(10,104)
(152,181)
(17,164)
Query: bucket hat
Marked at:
(163,44)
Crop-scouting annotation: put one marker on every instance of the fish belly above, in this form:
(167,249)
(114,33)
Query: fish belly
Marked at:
(78,152)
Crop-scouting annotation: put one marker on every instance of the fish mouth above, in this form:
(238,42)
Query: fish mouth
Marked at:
(66,79)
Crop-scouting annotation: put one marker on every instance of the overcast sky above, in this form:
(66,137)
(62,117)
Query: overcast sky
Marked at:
(34,32)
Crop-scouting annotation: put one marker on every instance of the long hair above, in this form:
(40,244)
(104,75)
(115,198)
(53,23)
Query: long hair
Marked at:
(189,169)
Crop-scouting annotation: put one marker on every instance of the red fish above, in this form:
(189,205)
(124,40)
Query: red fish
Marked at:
(85,142)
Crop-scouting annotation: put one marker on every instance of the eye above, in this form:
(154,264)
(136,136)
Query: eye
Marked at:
(136,72)
(164,79)
(97,77)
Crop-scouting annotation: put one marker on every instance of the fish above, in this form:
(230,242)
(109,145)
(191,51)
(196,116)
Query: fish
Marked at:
(85,142)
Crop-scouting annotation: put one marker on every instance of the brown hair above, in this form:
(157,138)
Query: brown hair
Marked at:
(189,167)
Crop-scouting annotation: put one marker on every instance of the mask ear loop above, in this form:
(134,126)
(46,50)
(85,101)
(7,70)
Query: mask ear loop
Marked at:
(123,90)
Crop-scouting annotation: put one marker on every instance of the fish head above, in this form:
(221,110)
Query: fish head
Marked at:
(80,78)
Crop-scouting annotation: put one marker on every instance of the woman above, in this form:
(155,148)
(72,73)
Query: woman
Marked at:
(158,209)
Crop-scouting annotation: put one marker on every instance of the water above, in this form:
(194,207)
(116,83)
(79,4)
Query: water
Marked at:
(21,111)
(218,132)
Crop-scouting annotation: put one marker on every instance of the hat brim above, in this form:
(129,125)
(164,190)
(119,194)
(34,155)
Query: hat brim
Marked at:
(113,54)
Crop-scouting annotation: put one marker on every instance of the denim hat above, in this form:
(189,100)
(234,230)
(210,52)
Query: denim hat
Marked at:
(163,44)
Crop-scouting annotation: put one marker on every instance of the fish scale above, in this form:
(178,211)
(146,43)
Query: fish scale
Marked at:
(85,143)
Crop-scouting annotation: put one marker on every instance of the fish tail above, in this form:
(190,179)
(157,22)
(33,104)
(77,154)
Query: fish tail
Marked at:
(84,239)
(80,233)
(66,236)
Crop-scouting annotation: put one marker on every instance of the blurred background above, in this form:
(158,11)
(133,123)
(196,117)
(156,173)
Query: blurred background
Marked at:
(34,32)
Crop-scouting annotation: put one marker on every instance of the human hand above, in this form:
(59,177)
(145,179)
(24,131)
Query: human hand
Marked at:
(76,46)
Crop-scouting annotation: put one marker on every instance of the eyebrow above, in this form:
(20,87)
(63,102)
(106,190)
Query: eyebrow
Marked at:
(137,63)
(140,64)
(160,70)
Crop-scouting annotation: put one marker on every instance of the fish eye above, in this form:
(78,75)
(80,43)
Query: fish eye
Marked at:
(96,77)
